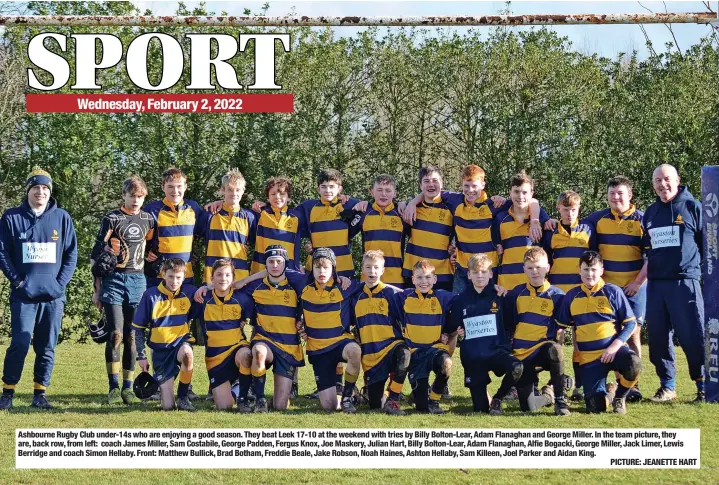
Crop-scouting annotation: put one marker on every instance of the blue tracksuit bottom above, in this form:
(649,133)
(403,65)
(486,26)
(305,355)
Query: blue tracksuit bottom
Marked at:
(675,306)
(39,323)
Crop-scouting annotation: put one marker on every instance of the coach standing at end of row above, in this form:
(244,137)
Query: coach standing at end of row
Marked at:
(673,239)
(38,255)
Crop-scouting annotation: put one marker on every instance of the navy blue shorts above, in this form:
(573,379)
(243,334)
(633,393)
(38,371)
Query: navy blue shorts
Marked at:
(280,365)
(381,370)
(476,371)
(165,364)
(594,374)
(122,288)
(638,304)
(324,365)
(420,365)
(227,370)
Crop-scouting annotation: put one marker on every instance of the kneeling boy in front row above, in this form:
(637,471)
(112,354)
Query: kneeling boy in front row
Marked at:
(228,357)
(384,351)
(423,313)
(477,316)
(166,309)
(603,322)
(531,321)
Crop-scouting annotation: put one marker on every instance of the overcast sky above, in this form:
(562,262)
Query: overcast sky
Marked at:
(606,40)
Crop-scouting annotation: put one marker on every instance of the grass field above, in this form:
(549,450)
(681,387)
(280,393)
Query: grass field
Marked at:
(79,390)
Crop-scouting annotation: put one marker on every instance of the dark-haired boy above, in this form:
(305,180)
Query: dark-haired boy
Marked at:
(603,321)
(277,224)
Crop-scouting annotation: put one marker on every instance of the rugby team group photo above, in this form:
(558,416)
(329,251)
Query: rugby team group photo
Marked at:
(495,279)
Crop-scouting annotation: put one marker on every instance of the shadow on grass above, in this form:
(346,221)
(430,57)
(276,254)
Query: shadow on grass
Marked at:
(96,404)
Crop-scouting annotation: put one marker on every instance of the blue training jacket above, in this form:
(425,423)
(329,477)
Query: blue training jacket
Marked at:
(673,237)
(37,254)
(482,317)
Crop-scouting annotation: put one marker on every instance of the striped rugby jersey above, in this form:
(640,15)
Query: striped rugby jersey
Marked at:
(514,237)
(221,319)
(473,226)
(564,250)
(379,332)
(167,315)
(619,242)
(429,239)
(423,317)
(322,223)
(277,227)
(533,316)
(277,308)
(228,233)
(385,230)
(327,316)
(175,228)
(599,315)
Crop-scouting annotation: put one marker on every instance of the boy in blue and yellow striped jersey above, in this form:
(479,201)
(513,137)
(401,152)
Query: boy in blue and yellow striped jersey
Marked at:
(472,212)
(513,231)
(603,321)
(565,244)
(227,354)
(231,230)
(322,223)
(383,229)
(431,231)
(326,311)
(166,311)
(277,225)
(275,340)
(384,351)
(423,313)
(619,234)
(531,322)
(177,221)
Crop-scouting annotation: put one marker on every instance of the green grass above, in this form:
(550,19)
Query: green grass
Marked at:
(80,384)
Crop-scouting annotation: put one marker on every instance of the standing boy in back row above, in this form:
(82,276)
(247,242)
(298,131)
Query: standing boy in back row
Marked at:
(382,229)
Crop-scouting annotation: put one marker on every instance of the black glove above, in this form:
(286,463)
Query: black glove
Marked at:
(351,217)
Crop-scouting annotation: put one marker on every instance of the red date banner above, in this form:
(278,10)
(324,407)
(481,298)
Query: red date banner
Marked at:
(160,103)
